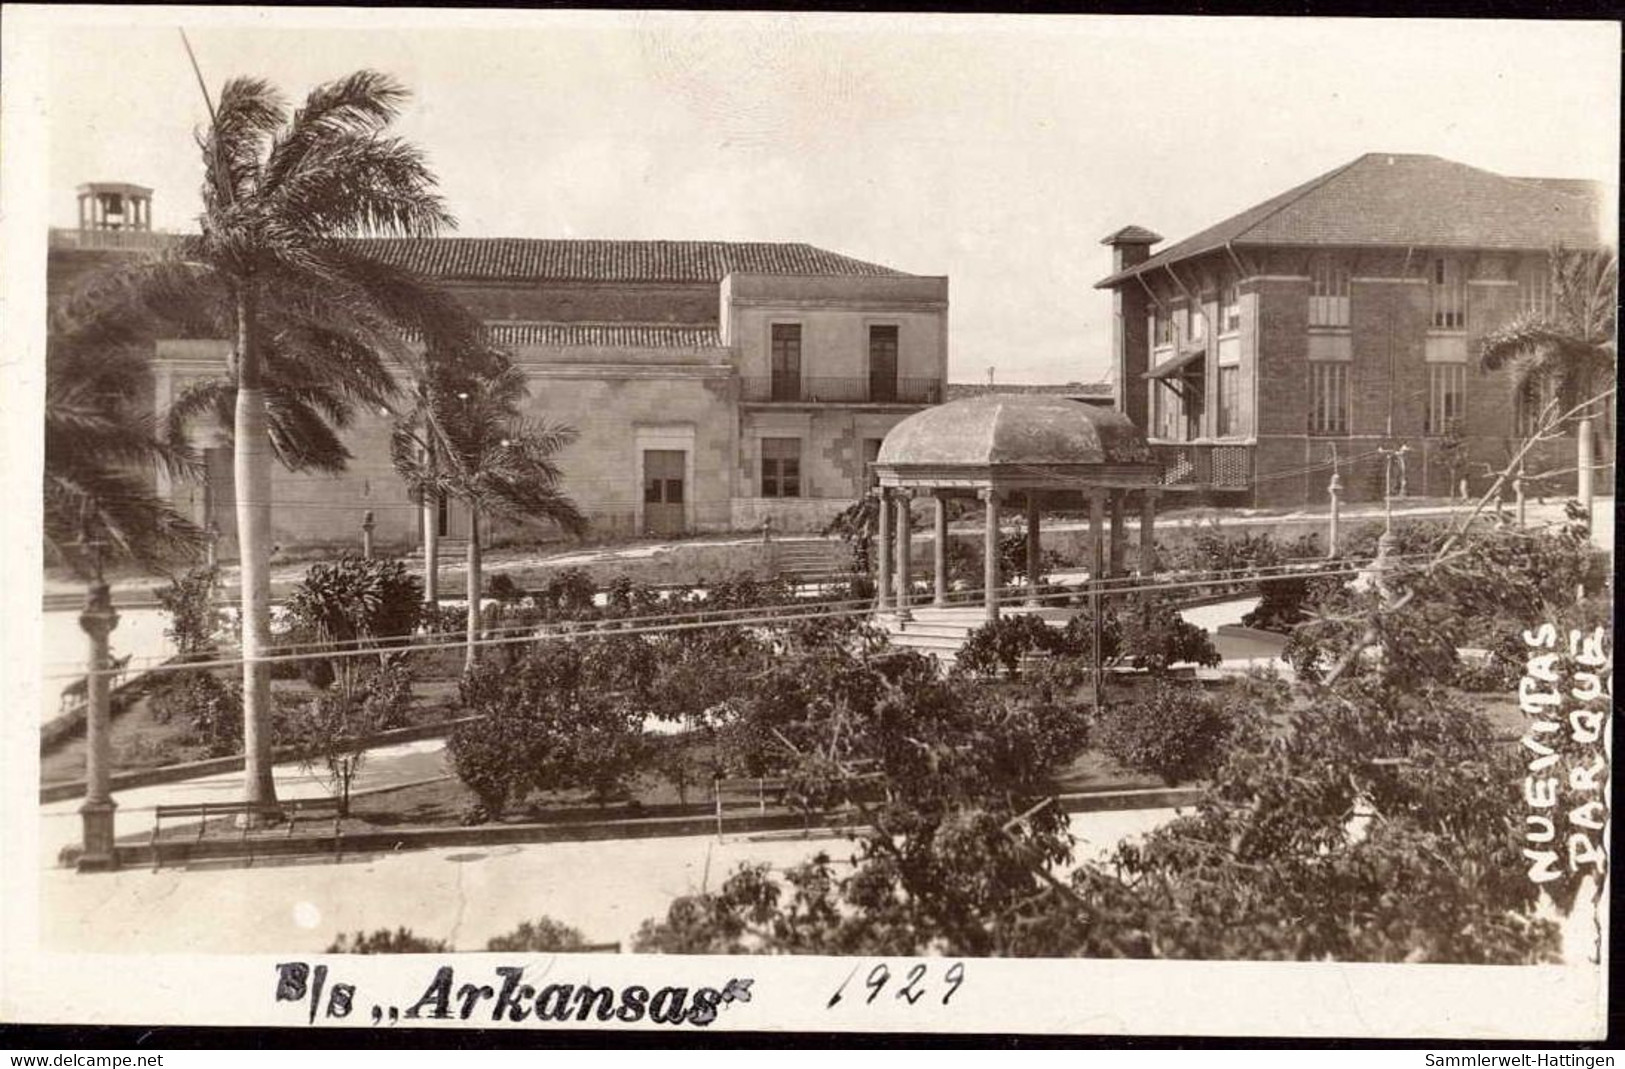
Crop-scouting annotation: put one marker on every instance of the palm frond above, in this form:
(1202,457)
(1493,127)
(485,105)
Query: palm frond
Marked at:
(360,103)
(351,185)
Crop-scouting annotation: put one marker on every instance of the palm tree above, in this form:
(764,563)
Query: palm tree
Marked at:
(100,446)
(1566,351)
(437,379)
(470,442)
(282,268)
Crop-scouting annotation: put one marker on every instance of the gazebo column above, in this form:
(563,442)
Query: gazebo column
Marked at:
(1097,565)
(1148,532)
(939,551)
(1034,550)
(905,558)
(883,580)
(1114,565)
(990,554)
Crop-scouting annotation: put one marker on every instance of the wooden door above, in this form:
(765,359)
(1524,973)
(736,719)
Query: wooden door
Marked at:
(663,491)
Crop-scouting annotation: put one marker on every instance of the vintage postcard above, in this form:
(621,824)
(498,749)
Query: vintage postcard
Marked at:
(764,521)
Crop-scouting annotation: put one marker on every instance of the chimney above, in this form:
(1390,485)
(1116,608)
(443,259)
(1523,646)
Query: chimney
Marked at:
(1131,338)
(1130,246)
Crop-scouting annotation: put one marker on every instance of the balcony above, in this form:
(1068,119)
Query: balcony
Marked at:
(839,391)
(1204,465)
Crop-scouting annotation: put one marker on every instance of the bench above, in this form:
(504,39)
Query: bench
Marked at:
(203,812)
(758,792)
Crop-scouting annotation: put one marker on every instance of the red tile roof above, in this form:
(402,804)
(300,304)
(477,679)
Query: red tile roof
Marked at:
(549,259)
(1411,200)
(605,335)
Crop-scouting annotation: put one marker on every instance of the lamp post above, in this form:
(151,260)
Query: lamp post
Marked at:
(96,814)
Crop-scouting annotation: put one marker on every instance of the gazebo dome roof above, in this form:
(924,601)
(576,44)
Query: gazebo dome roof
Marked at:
(1018,429)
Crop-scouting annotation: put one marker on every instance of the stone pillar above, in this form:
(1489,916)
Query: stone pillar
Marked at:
(1334,490)
(1114,563)
(883,538)
(367,524)
(98,620)
(1097,566)
(1035,550)
(939,550)
(990,554)
(905,556)
(1148,532)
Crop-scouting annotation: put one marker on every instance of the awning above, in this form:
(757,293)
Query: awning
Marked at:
(1176,365)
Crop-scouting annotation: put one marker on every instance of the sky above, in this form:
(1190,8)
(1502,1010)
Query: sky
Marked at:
(996,150)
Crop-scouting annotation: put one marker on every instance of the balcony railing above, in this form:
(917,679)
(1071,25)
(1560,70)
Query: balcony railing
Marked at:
(1218,467)
(142,240)
(839,391)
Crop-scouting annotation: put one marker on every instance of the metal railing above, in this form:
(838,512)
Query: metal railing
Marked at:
(1221,467)
(847,391)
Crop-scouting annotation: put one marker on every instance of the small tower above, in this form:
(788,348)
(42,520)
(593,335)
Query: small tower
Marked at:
(114,206)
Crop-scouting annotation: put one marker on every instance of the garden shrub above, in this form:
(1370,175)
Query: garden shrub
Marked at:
(1176,733)
(349,600)
(384,941)
(1003,644)
(1155,636)
(211,708)
(1284,603)
(547,723)
(195,618)
(542,936)
(502,587)
(568,594)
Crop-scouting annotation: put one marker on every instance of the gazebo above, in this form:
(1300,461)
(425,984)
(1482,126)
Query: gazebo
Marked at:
(1044,451)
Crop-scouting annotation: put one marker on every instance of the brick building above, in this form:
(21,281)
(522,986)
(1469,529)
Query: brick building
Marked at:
(713,384)
(1342,316)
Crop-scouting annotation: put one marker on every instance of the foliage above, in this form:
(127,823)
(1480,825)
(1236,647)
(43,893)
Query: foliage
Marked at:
(1176,733)
(1156,637)
(1005,642)
(358,598)
(568,594)
(502,587)
(542,936)
(384,941)
(351,602)
(954,839)
(1569,347)
(100,443)
(194,617)
(858,525)
(1283,603)
(333,729)
(550,722)
(210,707)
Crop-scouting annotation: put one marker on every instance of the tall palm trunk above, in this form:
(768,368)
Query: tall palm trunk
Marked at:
(473,588)
(431,545)
(252,463)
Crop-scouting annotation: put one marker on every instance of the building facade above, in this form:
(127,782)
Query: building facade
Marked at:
(713,385)
(1337,319)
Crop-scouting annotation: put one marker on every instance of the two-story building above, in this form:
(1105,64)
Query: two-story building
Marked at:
(1337,319)
(712,384)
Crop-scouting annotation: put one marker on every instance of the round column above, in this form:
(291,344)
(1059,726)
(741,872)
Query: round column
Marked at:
(905,558)
(990,555)
(883,537)
(940,550)
(98,620)
(1035,550)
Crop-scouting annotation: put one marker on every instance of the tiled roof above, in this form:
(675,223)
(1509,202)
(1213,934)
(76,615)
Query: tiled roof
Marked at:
(1409,200)
(959,390)
(605,335)
(536,259)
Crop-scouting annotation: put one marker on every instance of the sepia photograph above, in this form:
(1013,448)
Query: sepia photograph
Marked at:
(759,521)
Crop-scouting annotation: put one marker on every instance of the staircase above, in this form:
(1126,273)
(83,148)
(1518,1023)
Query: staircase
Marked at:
(941,631)
(812,560)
